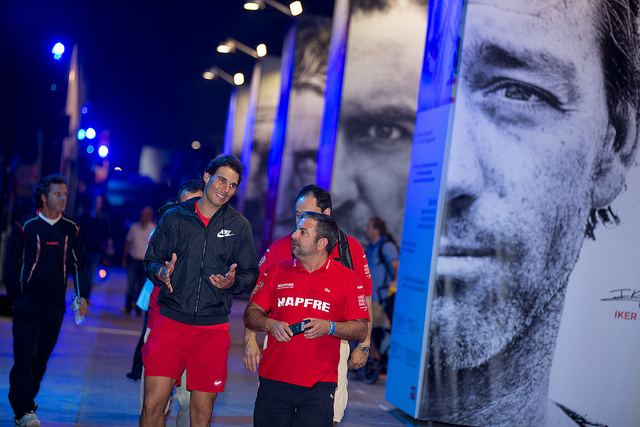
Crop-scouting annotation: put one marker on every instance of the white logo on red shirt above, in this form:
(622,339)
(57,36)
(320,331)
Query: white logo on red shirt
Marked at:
(362,302)
(285,285)
(304,302)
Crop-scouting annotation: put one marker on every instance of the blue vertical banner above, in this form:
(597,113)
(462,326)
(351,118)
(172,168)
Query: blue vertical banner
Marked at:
(332,93)
(278,136)
(423,208)
(227,147)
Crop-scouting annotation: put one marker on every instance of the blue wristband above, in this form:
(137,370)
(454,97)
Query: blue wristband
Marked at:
(332,327)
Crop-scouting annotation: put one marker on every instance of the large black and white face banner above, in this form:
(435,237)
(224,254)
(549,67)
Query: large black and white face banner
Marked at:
(377,113)
(532,293)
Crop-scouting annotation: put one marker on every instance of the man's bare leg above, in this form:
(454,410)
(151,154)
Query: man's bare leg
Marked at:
(202,408)
(157,391)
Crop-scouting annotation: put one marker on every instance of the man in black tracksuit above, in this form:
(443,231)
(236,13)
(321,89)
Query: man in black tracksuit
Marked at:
(43,248)
(201,253)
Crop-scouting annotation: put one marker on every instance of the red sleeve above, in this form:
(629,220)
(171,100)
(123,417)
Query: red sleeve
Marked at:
(278,251)
(261,294)
(355,306)
(360,265)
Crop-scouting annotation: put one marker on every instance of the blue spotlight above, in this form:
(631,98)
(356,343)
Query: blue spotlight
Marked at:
(58,50)
(90,149)
(103,151)
(91,133)
(81,134)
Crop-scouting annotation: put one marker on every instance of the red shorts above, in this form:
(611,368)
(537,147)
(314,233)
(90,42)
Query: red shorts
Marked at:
(203,350)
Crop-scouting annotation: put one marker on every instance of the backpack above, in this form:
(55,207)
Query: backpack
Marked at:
(343,251)
(387,266)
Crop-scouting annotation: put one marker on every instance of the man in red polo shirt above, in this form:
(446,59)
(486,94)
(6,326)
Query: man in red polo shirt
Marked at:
(316,199)
(298,374)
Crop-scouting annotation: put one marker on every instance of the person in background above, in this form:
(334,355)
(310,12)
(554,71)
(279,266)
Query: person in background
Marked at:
(43,248)
(133,257)
(96,233)
(382,256)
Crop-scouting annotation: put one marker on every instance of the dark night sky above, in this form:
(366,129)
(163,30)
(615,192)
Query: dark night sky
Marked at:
(143,65)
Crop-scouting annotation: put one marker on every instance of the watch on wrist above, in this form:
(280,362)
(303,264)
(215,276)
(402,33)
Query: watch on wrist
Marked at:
(364,348)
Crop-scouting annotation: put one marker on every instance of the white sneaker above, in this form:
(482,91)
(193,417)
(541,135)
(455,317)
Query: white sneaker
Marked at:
(28,420)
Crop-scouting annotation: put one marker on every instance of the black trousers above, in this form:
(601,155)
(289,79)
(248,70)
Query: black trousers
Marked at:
(35,333)
(136,276)
(282,404)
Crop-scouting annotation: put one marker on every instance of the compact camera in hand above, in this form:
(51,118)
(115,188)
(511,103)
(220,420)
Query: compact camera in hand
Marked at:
(298,328)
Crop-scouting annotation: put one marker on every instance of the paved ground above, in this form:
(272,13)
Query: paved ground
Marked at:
(85,383)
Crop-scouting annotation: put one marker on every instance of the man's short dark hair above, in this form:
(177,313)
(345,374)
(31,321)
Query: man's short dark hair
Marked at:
(42,187)
(191,186)
(323,197)
(326,227)
(230,161)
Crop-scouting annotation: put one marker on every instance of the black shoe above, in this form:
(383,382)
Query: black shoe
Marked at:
(134,375)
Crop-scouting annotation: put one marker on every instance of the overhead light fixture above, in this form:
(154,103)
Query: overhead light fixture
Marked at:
(215,72)
(261,50)
(252,5)
(294,9)
(230,46)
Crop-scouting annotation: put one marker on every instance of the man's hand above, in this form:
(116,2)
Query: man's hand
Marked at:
(226,281)
(251,355)
(281,331)
(83,307)
(358,358)
(317,328)
(165,272)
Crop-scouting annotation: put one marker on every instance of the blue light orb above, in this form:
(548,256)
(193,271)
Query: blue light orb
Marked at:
(81,134)
(91,133)
(58,50)
(90,149)
(103,151)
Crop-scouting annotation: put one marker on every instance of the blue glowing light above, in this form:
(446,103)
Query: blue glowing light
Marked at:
(103,151)
(81,134)
(90,149)
(91,133)
(58,50)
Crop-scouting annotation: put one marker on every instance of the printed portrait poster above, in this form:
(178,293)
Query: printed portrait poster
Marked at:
(258,143)
(384,52)
(534,299)
(234,130)
(304,119)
